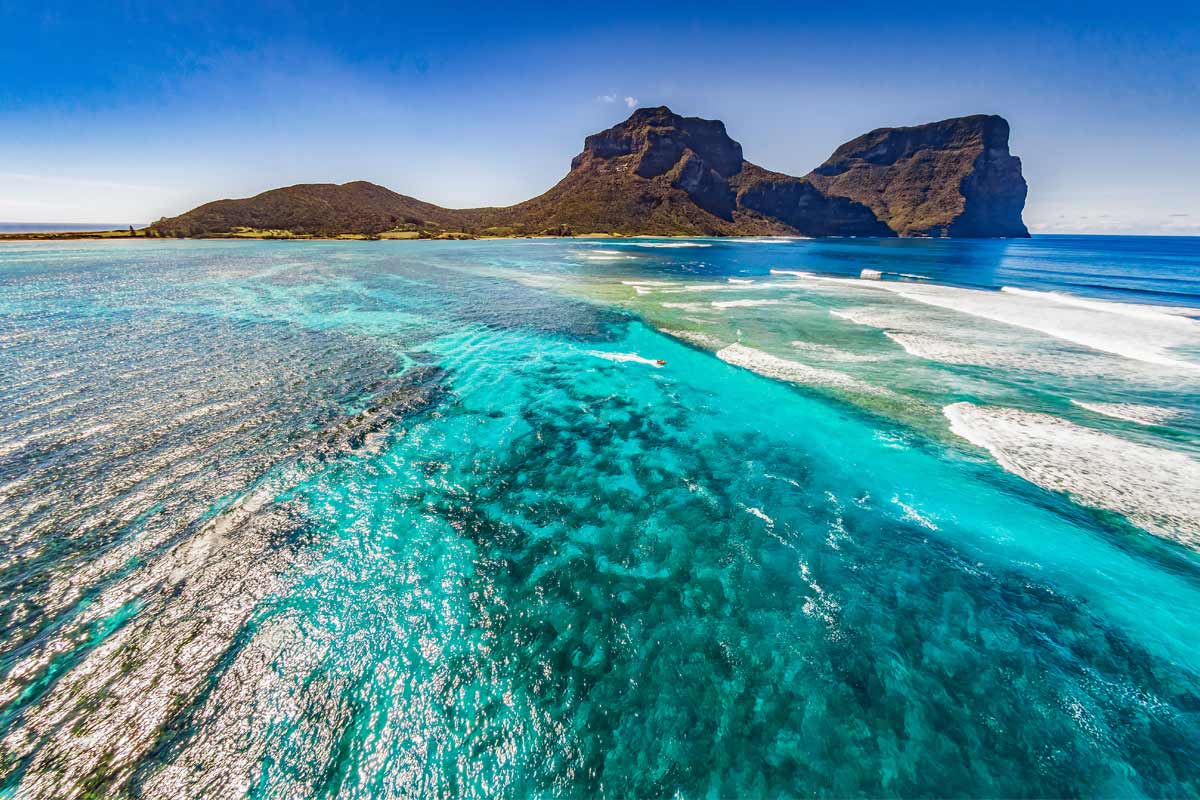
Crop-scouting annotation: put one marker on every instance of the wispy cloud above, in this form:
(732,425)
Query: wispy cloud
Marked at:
(628,100)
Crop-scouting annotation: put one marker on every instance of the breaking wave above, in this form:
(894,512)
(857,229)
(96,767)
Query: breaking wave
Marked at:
(1153,487)
(744,303)
(1131,412)
(784,369)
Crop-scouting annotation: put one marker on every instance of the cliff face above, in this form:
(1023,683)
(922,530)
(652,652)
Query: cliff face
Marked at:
(661,173)
(655,173)
(803,207)
(949,178)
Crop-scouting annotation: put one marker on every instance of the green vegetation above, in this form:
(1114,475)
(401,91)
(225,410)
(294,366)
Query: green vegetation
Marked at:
(144,233)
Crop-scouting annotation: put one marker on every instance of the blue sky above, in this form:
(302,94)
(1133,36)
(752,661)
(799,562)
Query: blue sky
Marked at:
(127,111)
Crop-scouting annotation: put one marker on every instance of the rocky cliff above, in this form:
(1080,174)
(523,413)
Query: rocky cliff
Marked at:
(949,178)
(661,173)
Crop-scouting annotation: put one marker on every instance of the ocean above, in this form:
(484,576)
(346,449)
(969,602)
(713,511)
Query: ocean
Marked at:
(606,517)
(59,227)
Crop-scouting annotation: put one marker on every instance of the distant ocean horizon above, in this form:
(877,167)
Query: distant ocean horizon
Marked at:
(65,227)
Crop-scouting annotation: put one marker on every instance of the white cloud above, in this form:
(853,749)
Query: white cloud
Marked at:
(606,98)
(631,102)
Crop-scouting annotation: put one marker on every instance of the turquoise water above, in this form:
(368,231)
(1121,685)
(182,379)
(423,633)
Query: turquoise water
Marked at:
(427,519)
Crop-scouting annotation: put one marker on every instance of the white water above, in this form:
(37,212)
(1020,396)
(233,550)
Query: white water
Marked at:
(1131,412)
(1157,489)
(792,371)
(744,303)
(1118,328)
(624,358)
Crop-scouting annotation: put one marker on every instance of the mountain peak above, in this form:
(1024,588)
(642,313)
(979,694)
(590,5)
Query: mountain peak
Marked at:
(979,189)
(647,112)
(658,172)
(653,140)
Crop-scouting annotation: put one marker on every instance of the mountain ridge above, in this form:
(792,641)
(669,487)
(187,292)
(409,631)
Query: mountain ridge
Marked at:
(659,173)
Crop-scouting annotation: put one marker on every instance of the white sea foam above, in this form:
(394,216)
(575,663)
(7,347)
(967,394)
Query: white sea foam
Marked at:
(793,272)
(758,512)
(793,371)
(697,338)
(740,280)
(1154,487)
(833,353)
(1131,412)
(941,337)
(704,287)
(1180,316)
(951,351)
(687,306)
(1117,328)
(820,604)
(849,314)
(647,287)
(913,515)
(1141,333)
(791,481)
(659,244)
(624,358)
(744,303)
(607,258)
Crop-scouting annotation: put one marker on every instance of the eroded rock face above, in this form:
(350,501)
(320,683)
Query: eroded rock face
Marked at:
(696,154)
(950,178)
(659,138)
(663,174)
(802,206)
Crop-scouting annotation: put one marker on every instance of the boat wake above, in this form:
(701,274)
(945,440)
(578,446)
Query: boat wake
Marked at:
(622,358)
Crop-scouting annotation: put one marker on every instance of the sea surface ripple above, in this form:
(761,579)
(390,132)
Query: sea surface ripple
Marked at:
(599,518)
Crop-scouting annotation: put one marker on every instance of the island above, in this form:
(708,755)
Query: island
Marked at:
(662,174)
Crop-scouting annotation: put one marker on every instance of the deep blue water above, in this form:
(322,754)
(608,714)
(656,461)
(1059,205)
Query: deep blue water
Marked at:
(306,519)
(1150,270)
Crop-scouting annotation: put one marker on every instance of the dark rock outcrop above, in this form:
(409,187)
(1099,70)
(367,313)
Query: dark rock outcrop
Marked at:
(800,205)
(949,178)
(660,173)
